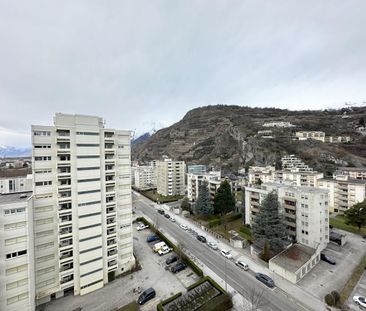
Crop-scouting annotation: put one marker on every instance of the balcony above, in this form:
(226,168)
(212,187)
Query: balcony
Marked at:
(64,184)
(112,252)
(109,158)
(67,279)
(111,221)
(63,135)
(65,218)
(65,243)
(111,242)
(66,267)
(65,207)
(110,200)
(65,230)
(112,263)
(109,179)
(111,231)
(111,210)
(65,255)
(64,196)
(63,159)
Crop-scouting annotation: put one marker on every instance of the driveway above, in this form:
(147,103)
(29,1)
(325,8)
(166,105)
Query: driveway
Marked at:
(360,290)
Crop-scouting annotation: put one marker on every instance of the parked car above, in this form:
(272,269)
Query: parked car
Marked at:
(152,238)
(213,245)
(201,238)
(167,216)
(146,296)
(359,300)
(265,279)
(172,219)
(242,265)
(161,212)
(171,259)
(184,227)
(328,259)
(178,267)
(142,227)
(364,237)
(164,250)
(158,246)
(226,254)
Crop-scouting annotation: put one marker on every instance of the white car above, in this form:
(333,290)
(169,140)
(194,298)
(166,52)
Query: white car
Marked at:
(359,300)
(226,254)
(172,219)
(142,227)
(184,227)
(164,250)
(242,264)
(213,245)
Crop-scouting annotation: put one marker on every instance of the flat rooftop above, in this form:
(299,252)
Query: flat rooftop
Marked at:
(15,172)
(293,258)
(15,197)
(347,181)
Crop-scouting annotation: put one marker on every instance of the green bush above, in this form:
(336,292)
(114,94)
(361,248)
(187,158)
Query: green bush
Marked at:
(213,223)
(159,307)
(329,300)
(336,296)
(235,217)
(203,280)
(193,266)
(222,302)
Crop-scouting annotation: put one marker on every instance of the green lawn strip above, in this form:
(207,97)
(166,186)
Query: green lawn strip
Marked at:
(132,306)
(339,223)
(154,196)
(353,280)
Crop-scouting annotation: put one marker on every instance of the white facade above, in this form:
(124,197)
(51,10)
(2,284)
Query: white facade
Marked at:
(260,174)
(213,179)
(15,184)
(293,163)
(16,253)
(305,211)
(278,124)
(145,177)
(170,177)
(81,205)
(316,135)
(353,172)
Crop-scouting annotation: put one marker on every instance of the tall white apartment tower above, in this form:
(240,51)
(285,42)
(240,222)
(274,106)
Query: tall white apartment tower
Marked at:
(82,205)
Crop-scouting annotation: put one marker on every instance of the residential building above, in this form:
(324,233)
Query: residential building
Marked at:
(316,135)
(344,192)
(81,205)
(293,163)
(15,180)
(278,124)
(16,253)
(196,169)
(258,174)
(337,139)
(305,211)
(145,177)
(170,177)
(352,172)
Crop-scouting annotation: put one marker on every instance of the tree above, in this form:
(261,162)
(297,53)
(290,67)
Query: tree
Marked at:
(185,206)
(329,299)
(203,205)
(356,215)
(267,224)
(224,201)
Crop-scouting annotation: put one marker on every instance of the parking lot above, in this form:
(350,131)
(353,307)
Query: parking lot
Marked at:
(360,290)
(326,277)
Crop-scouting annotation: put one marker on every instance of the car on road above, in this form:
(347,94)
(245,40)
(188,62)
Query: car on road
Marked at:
(146,296)
(226,254)
(184,227)
(152,238)
(328,259)
(167,216)
(164,250)
(265,279)
(172,219)
(212,245)
(359,300)
(242,264)
(161,212)
(179,267)
(171,259)
(201,238)
(142,227)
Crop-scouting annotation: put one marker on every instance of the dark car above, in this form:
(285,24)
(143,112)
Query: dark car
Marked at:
(178,267)
(265,279)
(152,238)
(328,259)
(160,211)
(167,216)
(201,238)
(146,296)
(171,259)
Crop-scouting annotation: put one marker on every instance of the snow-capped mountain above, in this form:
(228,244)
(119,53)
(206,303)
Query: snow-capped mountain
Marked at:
(8,151)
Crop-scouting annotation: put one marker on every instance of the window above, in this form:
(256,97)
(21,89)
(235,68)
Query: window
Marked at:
(87,145)
(89,191)
(44,221)
(90,226)
(14,211)
(16,225)
(48,158)
(42,133)
(42,146)
(16,284)
(88,168)
(16,240)
(87,133)
(91,272)
(45,270)
(89,203)
(45,258)
(93,283)
(89,261)
(44,183)
(89,180)
(90,249)
(17,269)
(90,238)
(16,254)
(45,245)
(89,215)
(17,298)
(88,157)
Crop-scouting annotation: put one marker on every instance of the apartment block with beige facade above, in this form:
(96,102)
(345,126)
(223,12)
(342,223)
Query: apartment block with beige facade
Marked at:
(352,172)
(82,205)
(15,180)
(316,135)
(171,177)
(145,177)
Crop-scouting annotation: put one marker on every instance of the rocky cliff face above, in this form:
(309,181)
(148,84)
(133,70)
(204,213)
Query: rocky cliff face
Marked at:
(227,137)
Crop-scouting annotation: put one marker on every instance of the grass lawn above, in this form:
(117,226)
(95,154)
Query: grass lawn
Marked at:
(339,222)
(133,306)
(236,225)
(153,195)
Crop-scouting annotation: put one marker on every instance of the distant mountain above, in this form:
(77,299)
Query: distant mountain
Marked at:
(7,151)
(227,137)
(141,138)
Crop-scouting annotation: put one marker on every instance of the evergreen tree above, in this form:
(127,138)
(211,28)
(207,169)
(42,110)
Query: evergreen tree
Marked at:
(185,206)
(268,225)
(203,205)
(356,216)
(224,201)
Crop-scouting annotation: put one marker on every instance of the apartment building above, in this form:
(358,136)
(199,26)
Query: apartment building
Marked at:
(352,172)
(170,177)
(196,169)
(316,135)
(293,163)
(344,192)
(81,205)
(145,177)
(15,180)
(280,124)
(16,253)
(337,139)
(258,174)
(305,211)
(194,180)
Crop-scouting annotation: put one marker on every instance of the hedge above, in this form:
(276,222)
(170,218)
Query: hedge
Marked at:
(159,307)
(222,302)
(203,280)
(213,223)
(235,217)
(193,266)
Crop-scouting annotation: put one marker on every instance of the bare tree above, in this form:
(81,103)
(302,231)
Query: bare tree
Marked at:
(254,300)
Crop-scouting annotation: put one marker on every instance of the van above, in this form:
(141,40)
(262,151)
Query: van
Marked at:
(146,296)
(158,246)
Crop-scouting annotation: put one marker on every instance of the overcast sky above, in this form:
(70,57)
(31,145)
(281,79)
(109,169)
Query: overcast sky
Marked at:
(144,64)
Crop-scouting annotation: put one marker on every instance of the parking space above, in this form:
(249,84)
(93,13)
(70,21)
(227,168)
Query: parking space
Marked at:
(360,290)
(326,277)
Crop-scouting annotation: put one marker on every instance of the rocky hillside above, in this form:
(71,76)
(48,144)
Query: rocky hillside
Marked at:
(227,137)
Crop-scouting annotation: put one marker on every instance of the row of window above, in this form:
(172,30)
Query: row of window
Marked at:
(87,145)
(44,183)
(91,260)
(42,171)
(16,240)
(91,284)
(89,191)
(91,272)
(47,158)
(87,133)
(88,157)
(90,226)
(16,284)
(90,249)
(42,146)
(14,226)
(88,168)
(88,180)
(89,203)
(17,298)
(89,215)
(14,211)
(16,254)
(90,238)
(42,133)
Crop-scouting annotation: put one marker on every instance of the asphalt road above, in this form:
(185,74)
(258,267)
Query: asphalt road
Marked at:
(243,282)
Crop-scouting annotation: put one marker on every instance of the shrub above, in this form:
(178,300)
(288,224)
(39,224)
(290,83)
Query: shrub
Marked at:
(159,307)
(203,280)
(222,302)
(235,217)
(336,296)
(329,300)
(213,223)
(193,266)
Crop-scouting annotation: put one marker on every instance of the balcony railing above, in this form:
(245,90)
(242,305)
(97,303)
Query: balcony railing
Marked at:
(112,252)
(66,267)
(66,230)
(66,255)
(67,279)
(111,231)
(65,243)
